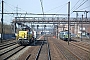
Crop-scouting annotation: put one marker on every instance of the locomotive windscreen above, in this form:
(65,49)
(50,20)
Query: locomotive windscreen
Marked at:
(25,29)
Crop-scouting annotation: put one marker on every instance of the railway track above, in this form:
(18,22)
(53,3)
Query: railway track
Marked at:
(69,55)
(9,49)
(2,52)
(7,41)
(7,45)
(9,53)
(28,56)
(55,52)
(81,46)
(44,51)
(31,52)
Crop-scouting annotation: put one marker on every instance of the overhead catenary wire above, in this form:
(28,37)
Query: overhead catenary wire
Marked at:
(75,5)
(56,7)
(85,7)
(31,13)
(9,6)
(9,15)
(81,4)
(60,8)
(14,7)
(5,10)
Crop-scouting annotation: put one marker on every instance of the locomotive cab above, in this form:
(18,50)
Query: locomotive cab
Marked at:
(25,36)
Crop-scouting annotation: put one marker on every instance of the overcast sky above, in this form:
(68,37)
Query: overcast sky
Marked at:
(49,6)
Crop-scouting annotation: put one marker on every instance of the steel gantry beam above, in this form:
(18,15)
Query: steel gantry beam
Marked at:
(50,20)
(33,14)
(82,11)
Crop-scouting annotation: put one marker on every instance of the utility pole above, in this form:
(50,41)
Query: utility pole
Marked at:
(77,22)
(16,19)
(81,27)
(44,32)
(68,21)
(2,22)
(57,31)
(74,27)
(86,13)
(37,30)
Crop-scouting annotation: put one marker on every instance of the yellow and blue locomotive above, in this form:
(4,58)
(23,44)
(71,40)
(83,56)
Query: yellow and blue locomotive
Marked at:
(25,36)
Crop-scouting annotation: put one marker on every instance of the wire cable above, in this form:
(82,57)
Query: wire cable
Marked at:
(15,7)
(85,7)
(9,15)
(61,8)
(75,4)
(81,4)
(9,6)
(56,7)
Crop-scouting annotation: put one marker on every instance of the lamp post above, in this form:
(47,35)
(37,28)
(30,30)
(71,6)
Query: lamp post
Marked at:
(2,22)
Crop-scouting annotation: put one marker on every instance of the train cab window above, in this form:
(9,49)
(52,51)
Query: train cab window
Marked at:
(24,29)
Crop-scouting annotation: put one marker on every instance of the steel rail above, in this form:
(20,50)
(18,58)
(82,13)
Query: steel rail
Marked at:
(74,55)
(10,55)
(59,50)
(6,41)
(37,55)
(49,55)
(81,47)
(28,57)
(7,45)
(8,50)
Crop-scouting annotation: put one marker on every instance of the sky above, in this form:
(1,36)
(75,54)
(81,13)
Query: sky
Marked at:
(49,6)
